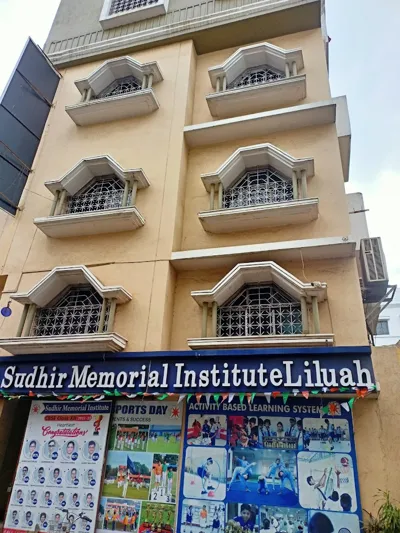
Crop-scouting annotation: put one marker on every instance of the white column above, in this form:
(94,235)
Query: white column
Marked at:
(214,319)
(204,321)
(54,203)
(89,94)
(304,314)
(212,196)
(134,192)
(126,192)
(224,83)
(144,82)
(294,184)
(304,184)
(218,88)
(287,70)
(294,68)
(315,312)
(61,202)
(150,81)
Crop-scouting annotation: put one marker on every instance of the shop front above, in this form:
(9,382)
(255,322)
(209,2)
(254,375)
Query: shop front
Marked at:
(235,440)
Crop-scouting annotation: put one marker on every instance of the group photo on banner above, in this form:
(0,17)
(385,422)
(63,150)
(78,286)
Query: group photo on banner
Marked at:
(269,468)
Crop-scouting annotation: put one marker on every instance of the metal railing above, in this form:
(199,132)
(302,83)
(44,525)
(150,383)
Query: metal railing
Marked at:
(102,194)
(256,320)
(256,76)
(247,195)
(77,313)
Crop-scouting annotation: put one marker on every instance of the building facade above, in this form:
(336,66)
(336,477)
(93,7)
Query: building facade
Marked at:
(187,200)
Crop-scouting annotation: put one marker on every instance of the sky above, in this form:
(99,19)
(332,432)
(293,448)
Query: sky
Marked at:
(363,65)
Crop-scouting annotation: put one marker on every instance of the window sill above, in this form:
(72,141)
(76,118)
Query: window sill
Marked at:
(133,15)
(93,342)
(212,343)
(259,216)
(112,108)
(247,100)
(93,223)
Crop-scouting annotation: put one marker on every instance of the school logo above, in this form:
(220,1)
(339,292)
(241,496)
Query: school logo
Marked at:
(175,412)
(334,409)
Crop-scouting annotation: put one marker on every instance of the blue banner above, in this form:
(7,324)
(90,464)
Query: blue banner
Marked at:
(185,372)
(269,467)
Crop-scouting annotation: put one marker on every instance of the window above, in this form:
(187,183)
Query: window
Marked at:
(259,310)
(76,312)
(119,6)
(100,194)
(257,75)
(382,328)
(258,186)
(121,86)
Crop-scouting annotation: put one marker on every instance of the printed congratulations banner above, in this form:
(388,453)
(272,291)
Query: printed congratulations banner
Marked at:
(59,470)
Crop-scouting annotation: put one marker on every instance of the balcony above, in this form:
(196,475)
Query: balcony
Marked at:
(120,88)
(260,305)
(256,78)
(96,196)
(258,187)
(68,311)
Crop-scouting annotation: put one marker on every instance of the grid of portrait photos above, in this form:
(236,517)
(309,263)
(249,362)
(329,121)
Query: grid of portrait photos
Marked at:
(269,473)
(59,471)
(141,474)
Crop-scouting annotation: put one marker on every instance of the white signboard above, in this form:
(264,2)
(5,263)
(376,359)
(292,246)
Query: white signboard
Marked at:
(59,471)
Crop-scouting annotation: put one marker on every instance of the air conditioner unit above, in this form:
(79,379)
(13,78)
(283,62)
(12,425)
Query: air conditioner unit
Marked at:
(375,275)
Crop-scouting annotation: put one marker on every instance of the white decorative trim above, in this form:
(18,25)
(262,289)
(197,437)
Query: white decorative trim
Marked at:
(195,27)
(254,98)
(115,69)
(260,272)
(258,155)
(270,341)
(254,56)
(112,108)
(229,256)
(93,342)
(261,124)
(91,223)
(259,216)
(108,21)
(62,277)
(83,172)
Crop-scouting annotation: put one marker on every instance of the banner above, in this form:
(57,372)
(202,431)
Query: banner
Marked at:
(269,468)
(192,372)
(60,467)
(140,483)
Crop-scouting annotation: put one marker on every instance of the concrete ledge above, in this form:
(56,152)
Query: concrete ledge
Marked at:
(259,216)
(112,108)
(246,100)
(229,256)
(93,342)
(93,223)
(269,341)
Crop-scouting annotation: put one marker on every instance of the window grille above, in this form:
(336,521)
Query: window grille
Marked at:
(382,327)
(102,193)
(77,312)
(119,6)
(258,186)
(256,76)
(122,86)
(259,310)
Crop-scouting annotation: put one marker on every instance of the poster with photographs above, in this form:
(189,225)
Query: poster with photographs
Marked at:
(269,468)
(59,471)
(141,475)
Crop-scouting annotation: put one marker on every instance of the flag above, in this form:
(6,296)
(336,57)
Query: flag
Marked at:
(130,465)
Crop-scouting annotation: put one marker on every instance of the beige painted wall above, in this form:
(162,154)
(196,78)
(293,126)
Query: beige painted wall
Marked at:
(341,314)
(154,143)
(319,143)
(377,430)
(310,42)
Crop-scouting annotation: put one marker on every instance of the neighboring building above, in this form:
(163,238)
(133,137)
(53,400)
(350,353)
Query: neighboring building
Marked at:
(388,327)
(186,212)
